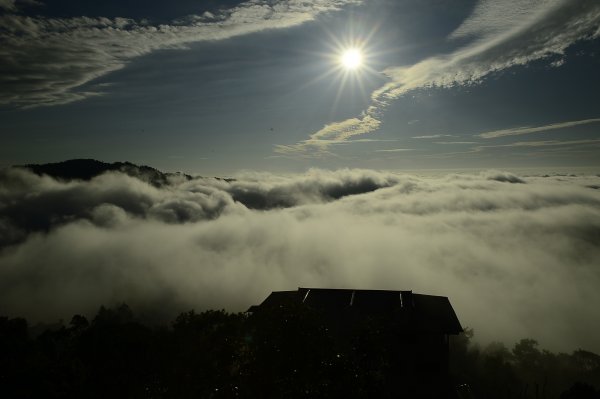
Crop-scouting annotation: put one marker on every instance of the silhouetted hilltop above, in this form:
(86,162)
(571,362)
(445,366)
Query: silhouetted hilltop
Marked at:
(86,169)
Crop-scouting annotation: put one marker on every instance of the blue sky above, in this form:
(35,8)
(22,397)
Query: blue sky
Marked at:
(217,86)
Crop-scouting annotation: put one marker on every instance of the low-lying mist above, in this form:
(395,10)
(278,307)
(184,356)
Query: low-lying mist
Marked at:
(517,256)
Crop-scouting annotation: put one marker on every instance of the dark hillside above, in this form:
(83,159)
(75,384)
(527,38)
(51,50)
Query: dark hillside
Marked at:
(87,169)
(219,355)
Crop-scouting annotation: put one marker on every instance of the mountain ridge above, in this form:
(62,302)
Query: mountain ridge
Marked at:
(87,169)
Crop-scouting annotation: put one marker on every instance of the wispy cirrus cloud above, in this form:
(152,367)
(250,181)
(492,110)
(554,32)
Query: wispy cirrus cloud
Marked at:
(545,143)
(500,35)
(454,142)
(396,150)
(492,17)
(8,5)
(45,61)
(584,145)
(433,136)
(337,132)
(535,129)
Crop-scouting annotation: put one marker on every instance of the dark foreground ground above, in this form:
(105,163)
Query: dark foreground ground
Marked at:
(220,355)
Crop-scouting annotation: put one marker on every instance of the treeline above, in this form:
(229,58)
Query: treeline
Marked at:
(215,354)
(525,371)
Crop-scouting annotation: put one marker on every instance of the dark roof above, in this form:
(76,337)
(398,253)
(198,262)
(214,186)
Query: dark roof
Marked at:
(415,312)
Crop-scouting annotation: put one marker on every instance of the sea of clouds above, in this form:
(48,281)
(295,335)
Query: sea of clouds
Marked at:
(518,256)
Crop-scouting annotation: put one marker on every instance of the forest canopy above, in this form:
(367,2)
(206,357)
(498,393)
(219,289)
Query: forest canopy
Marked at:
(283,353)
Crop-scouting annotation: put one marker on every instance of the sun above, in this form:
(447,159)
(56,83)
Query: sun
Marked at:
(351,59)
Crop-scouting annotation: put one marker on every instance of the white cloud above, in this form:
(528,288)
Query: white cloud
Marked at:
(8,5)
(503,34)
(548,143)
(584,146)
(396,150)
(335,133)
(454,142)
(342,131)
(557,25)
(432,136)
(492,17)
(46,60)
(516,260)
(535,129)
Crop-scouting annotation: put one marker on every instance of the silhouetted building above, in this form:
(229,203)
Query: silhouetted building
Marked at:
(399,335)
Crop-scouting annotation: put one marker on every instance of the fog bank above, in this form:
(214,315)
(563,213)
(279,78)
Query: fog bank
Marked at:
(518,256)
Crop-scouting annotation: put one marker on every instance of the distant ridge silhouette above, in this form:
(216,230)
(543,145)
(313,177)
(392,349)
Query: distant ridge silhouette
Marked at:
(87,169)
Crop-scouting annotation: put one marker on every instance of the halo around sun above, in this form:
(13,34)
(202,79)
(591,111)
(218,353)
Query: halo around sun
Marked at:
(351,59)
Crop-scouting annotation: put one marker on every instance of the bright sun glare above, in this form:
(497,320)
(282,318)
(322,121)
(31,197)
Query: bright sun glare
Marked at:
(351,59)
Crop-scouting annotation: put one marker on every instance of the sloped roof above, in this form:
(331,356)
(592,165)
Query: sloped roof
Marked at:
(414,312)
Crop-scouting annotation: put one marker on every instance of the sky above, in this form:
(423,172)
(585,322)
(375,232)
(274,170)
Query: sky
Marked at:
(216,87)
(460,157)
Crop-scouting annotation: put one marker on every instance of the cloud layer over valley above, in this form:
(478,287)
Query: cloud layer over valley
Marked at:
(517,255)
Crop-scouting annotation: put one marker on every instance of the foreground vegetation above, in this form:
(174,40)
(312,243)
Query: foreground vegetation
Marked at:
(220,355)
